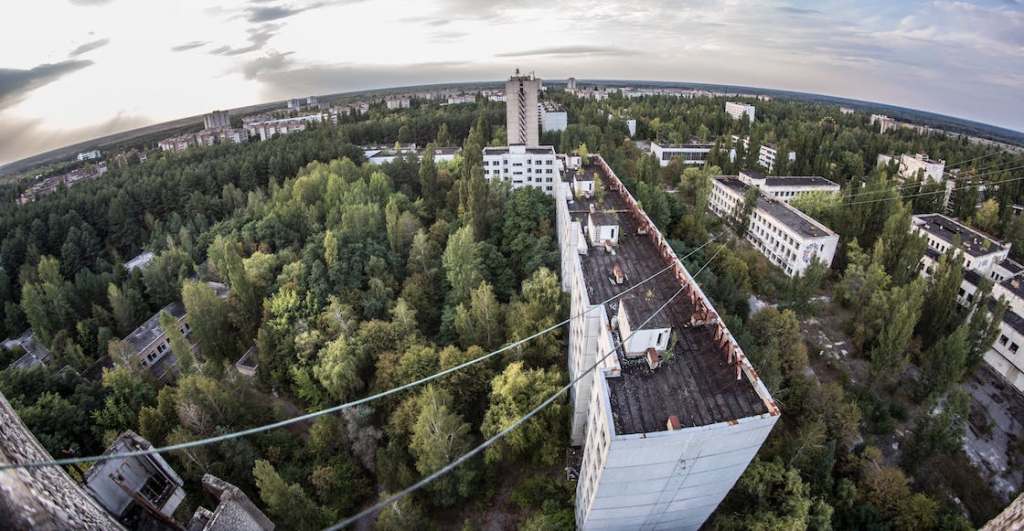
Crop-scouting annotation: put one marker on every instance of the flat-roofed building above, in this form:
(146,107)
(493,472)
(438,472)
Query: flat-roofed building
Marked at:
(884,122)
(788,188)
(669,421)
(89,155)
(553,117)
(768,154)
(143,483)
(737,110)
(917,166)
(522,118)
(789,238)
(217,120)
(521,166)
(234,511)
(397,102)
(981,252)
(33,352)
(268,128)
(692,154)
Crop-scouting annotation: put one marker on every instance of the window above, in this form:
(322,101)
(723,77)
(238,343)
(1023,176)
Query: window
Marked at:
(1013,347)
(1003,339)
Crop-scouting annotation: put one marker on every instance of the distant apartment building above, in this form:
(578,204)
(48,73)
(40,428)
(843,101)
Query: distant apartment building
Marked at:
(786,189)
(737,110)
(522,117)
(768,153)
(674,412)
(89,155)
(884,122)
(266,129)
(789,238)
(217,120)
(984,258)
(694,153)
(397,102)
(631,127)
(460,99)
(552,117)
(294,104)
(570,84)
(206,137)
(846,110)
(51,184)
(34,353)
(917,165)
(143,485)
(177,143)
(522,166)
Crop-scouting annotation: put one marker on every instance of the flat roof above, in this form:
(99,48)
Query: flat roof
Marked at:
(697,383)
(1011,265)
(150,330)
(799,180)
(787,215)
(689,145)
(948,229)
(602,217)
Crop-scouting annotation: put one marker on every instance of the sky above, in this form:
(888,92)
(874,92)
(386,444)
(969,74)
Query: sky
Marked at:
(77,69)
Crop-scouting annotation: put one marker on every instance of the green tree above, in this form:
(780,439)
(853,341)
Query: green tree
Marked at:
(940,316)
(986,218)
(338,369)
(945,363)
(462,264)
(403,515)
(286,502)
(768,496)
(226,256)
(439,437)
(514,393)
(208,316)
(742,219)
(538,307)
(899,309)
(938,433)
(127,393)
(165,273)
(179,344)
(481,320)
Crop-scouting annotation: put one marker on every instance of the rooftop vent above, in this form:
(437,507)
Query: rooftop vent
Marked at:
(1015,283)
(618,275)
(593,208)
(641,230)
(653,358)
(673,423)
(608,247)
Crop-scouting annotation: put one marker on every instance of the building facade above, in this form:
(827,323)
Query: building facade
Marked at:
(553,117)
(789,238)
(768,154)
(884,122)
(89,155)
(655,453)
(521,166)
(217,120)
(692,154)
(737,110)
(265,129)
(786,189)
(521,113)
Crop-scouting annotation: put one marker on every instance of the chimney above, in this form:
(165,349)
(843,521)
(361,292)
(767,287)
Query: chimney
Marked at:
(653,358)
(608,247)
(673,423)
(618,274)
(593,208)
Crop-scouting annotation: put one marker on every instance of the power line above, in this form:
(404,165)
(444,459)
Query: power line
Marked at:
(990,171)
(922,194)
(333,409)
(489,442)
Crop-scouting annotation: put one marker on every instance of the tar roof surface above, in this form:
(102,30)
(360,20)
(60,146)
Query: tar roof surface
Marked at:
(948,230)
(801,180)
(697,384)
(786,215)
(150,331)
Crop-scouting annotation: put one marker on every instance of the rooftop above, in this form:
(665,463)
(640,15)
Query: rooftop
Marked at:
(150,330)
(519,148)
(689,145)
(948,230)
(794,219)
(35,352)
(235,511)
(604,217)
(140,261)
(552,106)
(1011,265)
(697,383)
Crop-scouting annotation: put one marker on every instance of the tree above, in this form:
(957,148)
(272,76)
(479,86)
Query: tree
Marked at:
(945,363)
(539,307)
(126,306)
(778,351)
(208,316)
(742,219)
(179,345)
(938,432)
(443,138)
(800,288)
(768,496)
(985,321)
(439,437)
(514,393)
(899,310)
(226,256)
(900,248)
(127,393)
(986,218)
(45,301)
(286,502)
(165,273)
(481,321)
(940,315)
(429,189)
(462,264)
(402,515)
(338,369)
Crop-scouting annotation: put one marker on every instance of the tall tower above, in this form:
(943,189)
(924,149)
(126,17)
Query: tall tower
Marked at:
(522,120)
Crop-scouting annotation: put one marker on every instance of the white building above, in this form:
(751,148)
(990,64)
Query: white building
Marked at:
(669,421)
(846,110)
(552,117)
(145,481)
(521,114)
(981,252)
(89,155)
(785,189)
(884,122)
(737,110)
(692,154)
(217,120)
(397,102)
(631,126)
(571,84)
(789,238)
(521,166)
(34,352)
(918,165)
(266,129)
(141,261)
(766,156)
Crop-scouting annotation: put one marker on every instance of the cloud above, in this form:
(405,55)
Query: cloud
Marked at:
(189,46)
(15,84)
(267,13)
(27,137)
(793,10)
(578,49)
(88,47)
(258,38)
(90,2)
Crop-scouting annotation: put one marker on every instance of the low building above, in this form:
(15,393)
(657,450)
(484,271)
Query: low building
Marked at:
(135,488)
(386,155)
(552,117)
(446,154)
(51,184)
(785,189)
(140,261)
(768,154)
(34,354)
(789,238)
(522,166)
(150,348)
(234,511)
(692,154)
(89,155)
(248,363)
(884,122)
(916,166)
(738,110)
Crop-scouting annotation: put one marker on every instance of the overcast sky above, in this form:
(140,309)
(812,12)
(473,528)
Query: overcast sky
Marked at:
(75,69)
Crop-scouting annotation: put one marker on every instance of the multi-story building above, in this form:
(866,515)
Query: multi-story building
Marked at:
(521,166)
(570,85)
(692,154)
(177,143)
(789,238)
(767,154)
(268,128)
(631,127)
(34,353)
(846,110)
(234,511)
(737,110)
(552,117)
(217,120)
(884,122)
(89,155)
(397,102)
(294,104)
(785,189)
(674,412)
(131,488)
(50,185)
(981,252)
(521,115)
(917,165)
